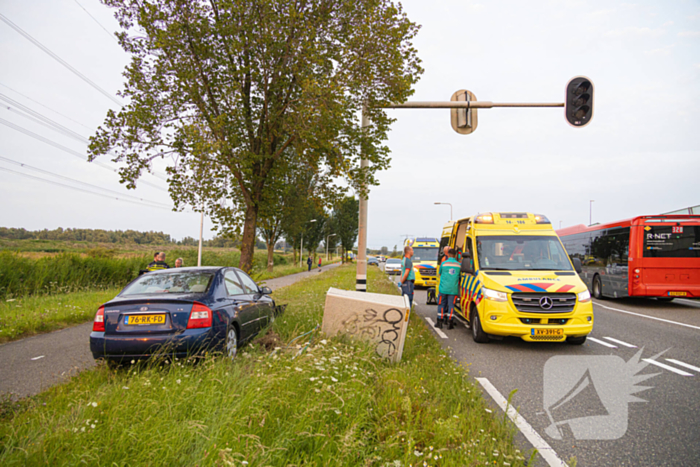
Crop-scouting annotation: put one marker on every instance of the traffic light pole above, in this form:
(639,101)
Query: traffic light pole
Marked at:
(361,274)
(468,105)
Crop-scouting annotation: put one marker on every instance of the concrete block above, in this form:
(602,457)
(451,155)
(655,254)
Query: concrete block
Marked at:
(377,318)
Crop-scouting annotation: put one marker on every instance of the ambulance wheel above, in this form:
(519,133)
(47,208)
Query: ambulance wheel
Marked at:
(478,333)
(597,288)
(578,340)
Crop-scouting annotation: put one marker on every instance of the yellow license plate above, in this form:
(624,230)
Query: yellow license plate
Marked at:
(133,320)
(548,332)
(677,294)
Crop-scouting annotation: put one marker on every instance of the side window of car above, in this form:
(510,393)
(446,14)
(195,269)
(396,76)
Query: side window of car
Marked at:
(233,284)
(248,283)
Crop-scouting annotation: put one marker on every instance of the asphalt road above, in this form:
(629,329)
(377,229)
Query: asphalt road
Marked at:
(662,431)
(32,365)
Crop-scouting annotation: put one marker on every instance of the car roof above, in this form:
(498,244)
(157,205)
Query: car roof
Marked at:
(190,269)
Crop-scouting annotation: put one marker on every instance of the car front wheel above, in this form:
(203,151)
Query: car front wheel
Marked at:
(578,340)
(231,343)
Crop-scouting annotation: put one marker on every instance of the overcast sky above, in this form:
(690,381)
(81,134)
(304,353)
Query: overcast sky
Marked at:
(636,157)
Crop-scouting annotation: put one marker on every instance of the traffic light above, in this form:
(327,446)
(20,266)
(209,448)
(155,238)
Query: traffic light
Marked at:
(579,101)
(464,120)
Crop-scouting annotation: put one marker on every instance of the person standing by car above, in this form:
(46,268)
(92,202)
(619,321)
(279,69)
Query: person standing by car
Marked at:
(178,263)
(309,263)
(449,289)
(158,262)
(408,277)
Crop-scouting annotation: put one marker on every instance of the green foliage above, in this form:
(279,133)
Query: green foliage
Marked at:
(337,404)
(35,314)
(99,268)
(346,222)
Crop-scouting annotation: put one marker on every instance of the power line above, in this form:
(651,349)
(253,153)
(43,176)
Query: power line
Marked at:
(46,107)
(81,189)
(52,124)
(95,19)
(57,58)
(83,183)
(68,150)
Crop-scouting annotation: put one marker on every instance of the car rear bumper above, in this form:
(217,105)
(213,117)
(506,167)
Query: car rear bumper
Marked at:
(119,347)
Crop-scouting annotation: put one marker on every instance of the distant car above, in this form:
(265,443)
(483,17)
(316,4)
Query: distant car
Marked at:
(180,312)
(371,260)
(392,266)
(382,258)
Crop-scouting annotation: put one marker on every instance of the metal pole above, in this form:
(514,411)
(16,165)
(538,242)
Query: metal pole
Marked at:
(361,275)
(201,229)
(590,212)
(450,205)
(468,105)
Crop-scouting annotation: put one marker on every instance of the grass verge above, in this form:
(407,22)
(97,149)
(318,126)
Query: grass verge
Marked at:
(336,404)
(35,314)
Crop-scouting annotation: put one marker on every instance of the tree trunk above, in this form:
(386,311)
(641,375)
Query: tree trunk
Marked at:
(270,257)
(248,240)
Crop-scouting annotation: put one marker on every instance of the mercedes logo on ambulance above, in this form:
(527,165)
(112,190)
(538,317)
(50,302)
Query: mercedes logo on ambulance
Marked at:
(546,303)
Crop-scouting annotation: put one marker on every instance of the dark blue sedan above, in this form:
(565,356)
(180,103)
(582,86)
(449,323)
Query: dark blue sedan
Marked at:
(181,312)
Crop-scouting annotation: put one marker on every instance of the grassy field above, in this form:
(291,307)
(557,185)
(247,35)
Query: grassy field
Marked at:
(336,404)
(30,273)
(36,314)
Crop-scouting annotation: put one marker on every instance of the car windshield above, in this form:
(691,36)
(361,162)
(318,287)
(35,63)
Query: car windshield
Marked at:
(425,254)
(176,282)
(393,261)
(527,253)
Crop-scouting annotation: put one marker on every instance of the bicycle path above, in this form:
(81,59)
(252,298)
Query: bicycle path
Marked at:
(29,366)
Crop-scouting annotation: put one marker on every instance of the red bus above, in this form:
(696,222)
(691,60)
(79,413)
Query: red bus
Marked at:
(648,256)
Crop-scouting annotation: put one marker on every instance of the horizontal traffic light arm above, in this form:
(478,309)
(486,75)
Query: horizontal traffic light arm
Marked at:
(467,105)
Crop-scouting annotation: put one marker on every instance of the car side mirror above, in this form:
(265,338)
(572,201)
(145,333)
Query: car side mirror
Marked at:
(577,265)
(466,266)
(265,290)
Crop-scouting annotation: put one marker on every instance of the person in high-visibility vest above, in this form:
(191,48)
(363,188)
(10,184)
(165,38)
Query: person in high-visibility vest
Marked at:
(449,289)
(158,262)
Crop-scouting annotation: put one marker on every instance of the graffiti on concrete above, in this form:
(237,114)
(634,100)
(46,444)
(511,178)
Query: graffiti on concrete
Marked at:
(381,327)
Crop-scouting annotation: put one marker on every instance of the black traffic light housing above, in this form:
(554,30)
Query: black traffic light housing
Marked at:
(579,101)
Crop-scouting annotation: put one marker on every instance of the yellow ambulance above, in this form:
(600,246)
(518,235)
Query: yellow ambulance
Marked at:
(425,255)
(517,279)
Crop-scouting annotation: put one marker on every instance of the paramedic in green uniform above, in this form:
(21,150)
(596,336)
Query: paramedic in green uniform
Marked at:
(449,289)
(408,277)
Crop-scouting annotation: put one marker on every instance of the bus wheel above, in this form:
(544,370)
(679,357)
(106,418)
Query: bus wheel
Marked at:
(579,340)
(597,288)
(478,333)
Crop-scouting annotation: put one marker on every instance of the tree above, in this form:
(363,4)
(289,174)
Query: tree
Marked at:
(224,87)
(346,221)
(384,251)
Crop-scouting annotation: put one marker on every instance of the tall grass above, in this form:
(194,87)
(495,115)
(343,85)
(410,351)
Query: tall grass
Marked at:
(337,404)
(98,268)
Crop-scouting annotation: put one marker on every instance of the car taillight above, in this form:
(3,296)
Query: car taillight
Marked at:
(200,317)
(99,324)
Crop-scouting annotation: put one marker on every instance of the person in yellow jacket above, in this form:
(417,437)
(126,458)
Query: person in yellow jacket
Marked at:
(158,262)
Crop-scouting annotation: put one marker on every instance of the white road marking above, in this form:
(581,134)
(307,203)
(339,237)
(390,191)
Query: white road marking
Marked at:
(545,450)
(439,332)
(621,342)
(598,341)
(688,366)
(37,358)
(645,316)
(667,367)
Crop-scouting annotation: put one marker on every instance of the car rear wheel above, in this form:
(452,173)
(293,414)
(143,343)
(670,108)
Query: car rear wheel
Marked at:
(578,340)
(478,333)
(597,288)
(231,343)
